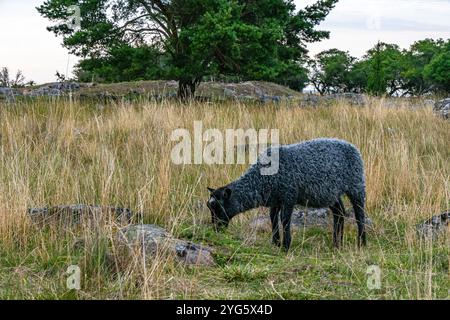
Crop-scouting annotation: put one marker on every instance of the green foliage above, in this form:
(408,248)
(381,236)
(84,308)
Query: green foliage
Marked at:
(258,40)
(18,81)
(438,70)
(331,71)
(385,70)
(124,63)
(418,57)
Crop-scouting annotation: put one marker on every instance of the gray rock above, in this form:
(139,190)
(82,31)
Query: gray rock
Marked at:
(8,94)
(434,227)
(71,215)
(153,240)
(264,99)
(429,103)
(54,92)
(246,98)
(313,100)
(442,108)
(311,218)
(352,98)
(54,89)
(229,93)
(6,91)
(64,86)
(303,219)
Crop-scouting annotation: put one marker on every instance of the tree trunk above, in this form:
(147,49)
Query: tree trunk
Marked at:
(186,89)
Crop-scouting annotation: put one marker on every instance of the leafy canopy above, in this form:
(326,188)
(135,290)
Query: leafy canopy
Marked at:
(254,39)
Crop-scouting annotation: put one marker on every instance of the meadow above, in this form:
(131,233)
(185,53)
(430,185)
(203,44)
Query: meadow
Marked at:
(64,152)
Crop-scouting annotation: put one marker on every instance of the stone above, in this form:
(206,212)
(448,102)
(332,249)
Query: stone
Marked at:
(8,94)
(301,219)
(54,89)
(429,103)
(75,214)
(264,99)
(6,91)
(442,108)
(310,100)
(314,100)
(229,93)
(434,227)
(152,240)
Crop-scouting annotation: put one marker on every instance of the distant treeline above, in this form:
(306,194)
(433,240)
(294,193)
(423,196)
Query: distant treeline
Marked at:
(385,69)
(194,40)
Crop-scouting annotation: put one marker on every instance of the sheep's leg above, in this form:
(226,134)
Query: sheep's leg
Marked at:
(275,227)
(358,207)
(286,213)
(338,219)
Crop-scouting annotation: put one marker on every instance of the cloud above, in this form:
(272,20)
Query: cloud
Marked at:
(356,25)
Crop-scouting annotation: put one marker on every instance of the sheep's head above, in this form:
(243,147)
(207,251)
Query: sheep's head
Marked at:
(220,206)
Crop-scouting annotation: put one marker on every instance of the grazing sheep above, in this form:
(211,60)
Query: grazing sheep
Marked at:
(314,174)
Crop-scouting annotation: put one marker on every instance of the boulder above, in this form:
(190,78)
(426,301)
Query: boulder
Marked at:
(229,93)
(75,214)
(8,94)
(429,103)
(301,219)
(442,108)
(54,89)
(434,227)
(314,100)
(6,91)
(265,98)
(152,240)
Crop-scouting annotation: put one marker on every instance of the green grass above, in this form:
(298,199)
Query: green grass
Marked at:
(56,152)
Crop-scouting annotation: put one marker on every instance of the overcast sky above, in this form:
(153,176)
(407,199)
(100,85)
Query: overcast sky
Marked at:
(355,25)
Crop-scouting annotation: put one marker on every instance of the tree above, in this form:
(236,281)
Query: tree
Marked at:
(4,77)
(16,82)
(420,54)
(253,39)
(438,70)
(124,63)
(358,75)
(330,71)
(386,65)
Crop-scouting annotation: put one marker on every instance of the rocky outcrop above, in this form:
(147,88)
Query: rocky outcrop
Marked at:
(8,94)
(6,91)
(434,227)
(152,240)
(54,89)
(301,219)
(313,100)
(75,214)
(442,108)
(258,96)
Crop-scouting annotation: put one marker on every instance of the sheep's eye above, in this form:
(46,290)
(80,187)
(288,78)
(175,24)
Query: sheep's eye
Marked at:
(212,203)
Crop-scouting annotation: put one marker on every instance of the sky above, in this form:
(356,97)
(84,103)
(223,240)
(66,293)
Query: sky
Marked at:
(355,26)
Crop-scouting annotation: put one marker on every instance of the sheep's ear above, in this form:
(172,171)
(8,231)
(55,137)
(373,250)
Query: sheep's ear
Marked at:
(211,190)
(227,193)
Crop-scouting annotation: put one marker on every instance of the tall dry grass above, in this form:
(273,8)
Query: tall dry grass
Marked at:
(54,152)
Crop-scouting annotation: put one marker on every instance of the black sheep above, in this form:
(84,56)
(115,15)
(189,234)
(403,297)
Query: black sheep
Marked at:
(314,174)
